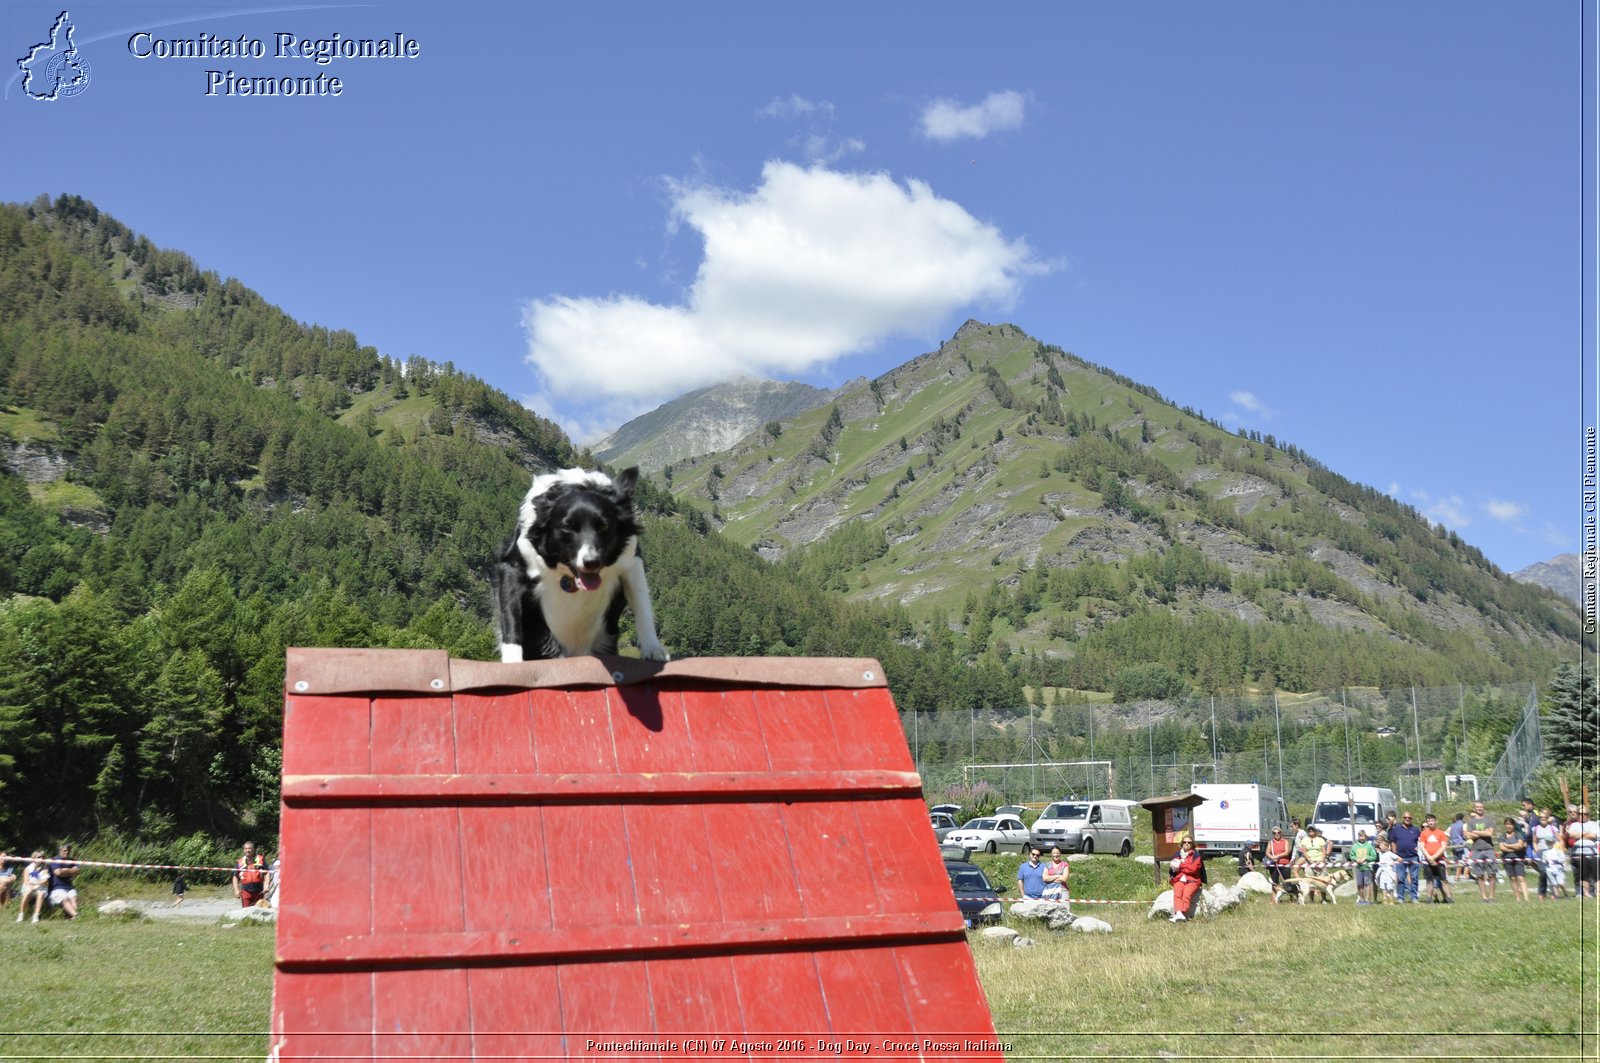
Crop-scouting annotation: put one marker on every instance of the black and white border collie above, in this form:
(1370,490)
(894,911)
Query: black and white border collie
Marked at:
(563,578)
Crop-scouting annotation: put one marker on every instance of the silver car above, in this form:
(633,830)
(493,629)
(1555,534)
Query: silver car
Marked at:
(990,834)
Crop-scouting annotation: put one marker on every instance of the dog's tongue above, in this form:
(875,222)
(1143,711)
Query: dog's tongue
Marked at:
(589,581)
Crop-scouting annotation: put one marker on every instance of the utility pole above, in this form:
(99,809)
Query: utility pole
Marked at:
(1213,738)
(1277,720)
(1416,732)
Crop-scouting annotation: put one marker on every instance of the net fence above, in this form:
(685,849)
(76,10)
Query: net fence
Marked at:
(1426,743)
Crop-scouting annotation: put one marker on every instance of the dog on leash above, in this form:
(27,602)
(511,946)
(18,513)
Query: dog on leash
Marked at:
(561,581)
(1306,886)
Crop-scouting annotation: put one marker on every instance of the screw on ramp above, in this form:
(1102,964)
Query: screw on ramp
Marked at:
(611,858)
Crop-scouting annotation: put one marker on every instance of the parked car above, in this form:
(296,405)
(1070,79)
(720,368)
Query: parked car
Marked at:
(1086,827)
(953,811)
(978,900)
(990,834)
(1010,810)
(943,824)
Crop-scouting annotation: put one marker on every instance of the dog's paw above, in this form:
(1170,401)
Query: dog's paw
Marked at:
(654,651)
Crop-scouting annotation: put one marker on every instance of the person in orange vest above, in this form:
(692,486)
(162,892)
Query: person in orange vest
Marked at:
(249,876)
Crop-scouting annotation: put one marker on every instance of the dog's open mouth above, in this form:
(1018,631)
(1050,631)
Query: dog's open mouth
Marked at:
(582,581)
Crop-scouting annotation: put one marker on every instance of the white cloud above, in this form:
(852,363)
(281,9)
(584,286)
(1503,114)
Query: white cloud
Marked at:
(1449,510)
(817,143)
(1249,401)
(812,265)
(949,120)
(1506,511)
(821,148)
(796,106)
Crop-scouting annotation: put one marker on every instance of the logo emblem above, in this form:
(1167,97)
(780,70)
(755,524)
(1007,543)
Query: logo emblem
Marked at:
(55,68)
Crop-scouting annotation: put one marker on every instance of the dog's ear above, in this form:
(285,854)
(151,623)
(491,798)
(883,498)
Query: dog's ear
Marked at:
(625,482)
(547,503)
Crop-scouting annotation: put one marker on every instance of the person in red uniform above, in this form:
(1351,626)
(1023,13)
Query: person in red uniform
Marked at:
(249,876)
(1188,871)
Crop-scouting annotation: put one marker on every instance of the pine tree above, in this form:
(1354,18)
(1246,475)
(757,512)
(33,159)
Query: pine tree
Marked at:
(1572,721)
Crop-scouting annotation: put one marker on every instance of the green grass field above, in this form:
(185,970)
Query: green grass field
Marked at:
(1263,982)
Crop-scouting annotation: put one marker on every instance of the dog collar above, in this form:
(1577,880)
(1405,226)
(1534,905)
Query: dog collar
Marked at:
(569,584)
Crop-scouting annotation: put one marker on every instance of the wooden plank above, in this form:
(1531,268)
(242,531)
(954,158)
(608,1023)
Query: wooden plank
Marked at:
(430,948)
(832,871)
(862,990)
(902,855)
(326,1015)
(668,856)
(334,847)
(869,729)
(695,998)
(725,732)
(779,993)
(752,862)
(327,735)
(572,733)
(416,871)
(942,990)
(515,1013)
(494,735)
(572,788)
(503,872)
(413,736)
(798,731)
(600,1009)
(587,870)
(421,1014)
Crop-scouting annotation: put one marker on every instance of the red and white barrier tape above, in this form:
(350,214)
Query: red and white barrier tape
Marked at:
(126,867)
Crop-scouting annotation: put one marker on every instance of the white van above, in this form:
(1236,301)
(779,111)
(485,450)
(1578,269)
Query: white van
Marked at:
(1086,827)
(1236,818)
(1342,811)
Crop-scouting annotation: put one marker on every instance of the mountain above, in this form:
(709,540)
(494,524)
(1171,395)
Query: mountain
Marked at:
(1034,502)
(707,420)
(191,481)
(1562,574)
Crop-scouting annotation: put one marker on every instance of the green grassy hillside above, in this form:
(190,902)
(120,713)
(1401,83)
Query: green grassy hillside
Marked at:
(1036,502)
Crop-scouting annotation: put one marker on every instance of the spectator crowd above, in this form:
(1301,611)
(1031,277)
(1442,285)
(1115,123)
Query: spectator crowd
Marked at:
(1400,859)
(42,885)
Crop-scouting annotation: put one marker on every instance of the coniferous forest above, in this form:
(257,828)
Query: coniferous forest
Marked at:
(194,482)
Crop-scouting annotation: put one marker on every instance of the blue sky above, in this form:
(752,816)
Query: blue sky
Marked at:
(1354,226)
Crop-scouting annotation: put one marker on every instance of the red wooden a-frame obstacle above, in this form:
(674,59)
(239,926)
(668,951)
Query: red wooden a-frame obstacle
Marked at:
(609,858)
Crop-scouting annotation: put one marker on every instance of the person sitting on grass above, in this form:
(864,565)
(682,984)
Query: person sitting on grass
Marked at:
(8,878)
(35,886)
(63,882)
